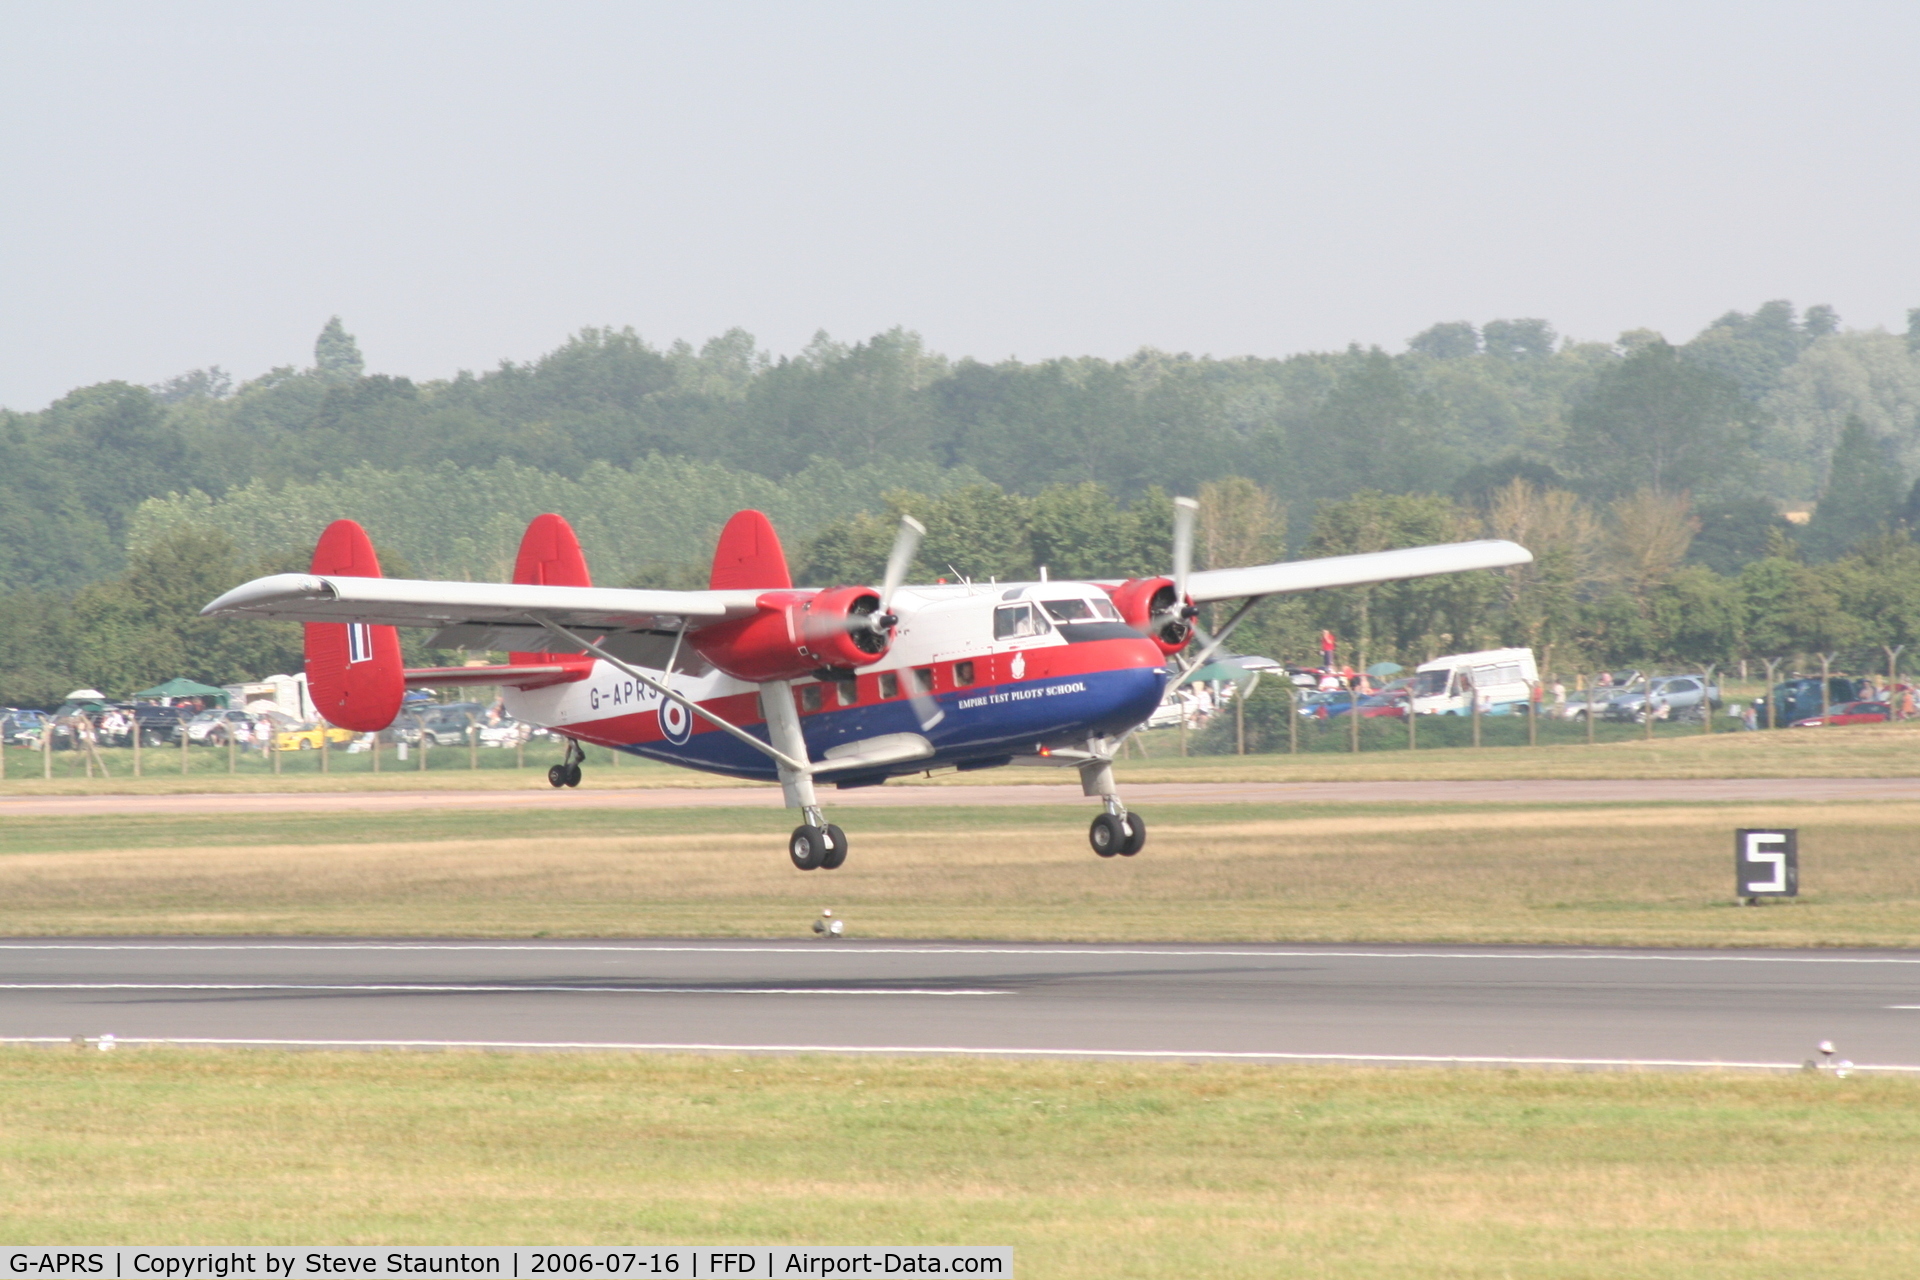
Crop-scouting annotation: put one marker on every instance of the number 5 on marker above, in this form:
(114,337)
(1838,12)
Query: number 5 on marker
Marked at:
(1767,863)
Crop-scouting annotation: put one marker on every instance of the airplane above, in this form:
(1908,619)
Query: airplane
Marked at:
(755,678)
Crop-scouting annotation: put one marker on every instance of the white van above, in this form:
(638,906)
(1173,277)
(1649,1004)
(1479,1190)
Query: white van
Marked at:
(1446,686)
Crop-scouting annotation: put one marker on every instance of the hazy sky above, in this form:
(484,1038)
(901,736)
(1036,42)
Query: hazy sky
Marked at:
(194,184)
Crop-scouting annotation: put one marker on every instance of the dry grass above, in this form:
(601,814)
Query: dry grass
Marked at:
(1614,874)
(1087,1169)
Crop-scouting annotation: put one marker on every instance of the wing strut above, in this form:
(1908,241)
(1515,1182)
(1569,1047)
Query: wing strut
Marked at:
(725,726)
(1214,642)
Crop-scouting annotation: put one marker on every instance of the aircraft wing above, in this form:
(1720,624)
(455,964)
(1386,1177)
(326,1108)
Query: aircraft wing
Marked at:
(470,609)
(1354,571)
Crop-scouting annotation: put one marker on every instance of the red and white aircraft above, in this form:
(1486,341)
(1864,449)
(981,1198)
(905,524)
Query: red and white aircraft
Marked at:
(756,678)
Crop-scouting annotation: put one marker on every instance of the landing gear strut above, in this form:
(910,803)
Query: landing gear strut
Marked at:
(1115,832)
(567,772)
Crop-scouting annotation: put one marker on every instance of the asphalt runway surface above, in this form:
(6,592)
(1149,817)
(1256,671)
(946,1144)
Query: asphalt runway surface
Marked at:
(1142,794)
(1355,1003)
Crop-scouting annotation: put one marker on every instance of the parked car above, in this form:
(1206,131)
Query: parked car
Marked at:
(507,731)
(305,736)
(1616,683)
(1676,693)
(1372,705)
(1848,713)
(21,728)
(1796,700)
(215,726)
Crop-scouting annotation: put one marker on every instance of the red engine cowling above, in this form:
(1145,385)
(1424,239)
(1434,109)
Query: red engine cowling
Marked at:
(796,634)
(1139,599)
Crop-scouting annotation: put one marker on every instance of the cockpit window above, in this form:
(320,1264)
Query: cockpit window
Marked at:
(1016,621)
(1078,610)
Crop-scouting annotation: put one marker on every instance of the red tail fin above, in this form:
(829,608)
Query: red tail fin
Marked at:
(353,669)
(749,557)
(549,556)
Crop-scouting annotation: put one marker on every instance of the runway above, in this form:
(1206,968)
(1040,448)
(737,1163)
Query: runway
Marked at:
(998,795)
(1756,1009)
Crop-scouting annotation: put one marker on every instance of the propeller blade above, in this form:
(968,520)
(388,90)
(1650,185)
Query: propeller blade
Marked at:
(905,544)
(1184,511)
(925,709)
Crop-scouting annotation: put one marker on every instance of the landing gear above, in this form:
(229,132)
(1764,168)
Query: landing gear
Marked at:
(1115,833)
(813,847)
(567,772)
(1118,834)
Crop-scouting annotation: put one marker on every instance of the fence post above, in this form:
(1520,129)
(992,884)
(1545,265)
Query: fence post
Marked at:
(473,744)
(1474,706)
(1766,700)
(1239,724)
(1586,706)
(1353,713)
(520,745)
(1893,678)
(376,749)
(1646,706)
(1293,717)
(273,747)
(46,748)
(1826,672)
(1533,717)
(185,739)
(1410,719)
(136,746)
(1706,701)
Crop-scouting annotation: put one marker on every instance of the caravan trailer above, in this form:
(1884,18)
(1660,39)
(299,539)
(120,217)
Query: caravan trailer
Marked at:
(1446,686)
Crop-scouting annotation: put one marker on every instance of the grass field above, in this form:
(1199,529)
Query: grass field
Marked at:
(1589,874)
(1087,1169)
(1863,751)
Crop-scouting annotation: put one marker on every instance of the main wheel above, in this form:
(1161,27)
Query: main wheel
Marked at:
(306,744)
(1107,835)
(573,775)
(807,846)
(557,776)
(1136,835)
(836,850)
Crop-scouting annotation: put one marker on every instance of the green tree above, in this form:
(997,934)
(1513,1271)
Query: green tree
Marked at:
(1654,421)
(1862,496)
(335,354)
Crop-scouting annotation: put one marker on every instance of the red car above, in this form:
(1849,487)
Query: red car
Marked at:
(1848,713)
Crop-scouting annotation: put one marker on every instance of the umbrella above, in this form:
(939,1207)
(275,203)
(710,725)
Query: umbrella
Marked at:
(1385,669)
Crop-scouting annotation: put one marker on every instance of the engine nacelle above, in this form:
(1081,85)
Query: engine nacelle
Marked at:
(1140,599)
(796,634)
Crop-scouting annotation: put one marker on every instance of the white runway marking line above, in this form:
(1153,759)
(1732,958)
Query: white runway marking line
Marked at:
(495,988)
(1040,950)
(1402,1059)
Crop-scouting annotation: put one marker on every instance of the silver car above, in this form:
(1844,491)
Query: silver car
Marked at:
(1677,694)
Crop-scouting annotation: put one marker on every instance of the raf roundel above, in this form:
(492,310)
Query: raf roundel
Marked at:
(676,722)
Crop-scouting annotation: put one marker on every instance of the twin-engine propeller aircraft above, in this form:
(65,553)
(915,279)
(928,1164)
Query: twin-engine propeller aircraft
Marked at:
(756,678)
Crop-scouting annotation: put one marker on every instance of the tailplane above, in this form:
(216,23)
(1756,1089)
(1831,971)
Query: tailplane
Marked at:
(353,668)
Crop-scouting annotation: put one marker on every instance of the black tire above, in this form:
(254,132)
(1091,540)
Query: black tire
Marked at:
(306,744)
(1107,835)
(557,776)
(836,850)
(806,846)
(573,775)
(1136,835)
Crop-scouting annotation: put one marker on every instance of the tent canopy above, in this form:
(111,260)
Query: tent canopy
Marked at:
(181,687)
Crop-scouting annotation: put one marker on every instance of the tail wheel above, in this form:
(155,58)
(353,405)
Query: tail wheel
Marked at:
(1136,835)
(807,847)
(1107,835)
(836,851)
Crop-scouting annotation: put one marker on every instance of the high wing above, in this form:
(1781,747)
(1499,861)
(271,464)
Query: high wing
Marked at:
(479,615)
(1353,571)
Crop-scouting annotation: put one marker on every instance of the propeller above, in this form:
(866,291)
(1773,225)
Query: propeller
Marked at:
(906,544)
(1175,621)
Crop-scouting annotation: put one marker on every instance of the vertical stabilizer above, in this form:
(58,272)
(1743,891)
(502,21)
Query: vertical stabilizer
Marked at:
(353,668)
(550,556)
(749,557)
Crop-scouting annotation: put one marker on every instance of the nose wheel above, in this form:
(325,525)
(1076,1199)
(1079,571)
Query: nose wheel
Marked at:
(1117,834)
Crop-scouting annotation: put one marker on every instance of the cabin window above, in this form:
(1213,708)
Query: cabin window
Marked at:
(1069,610)
(809,697)
(1104,608)
(963,673)
(846,692)
(1017,622)
(889,684)
(923,679)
